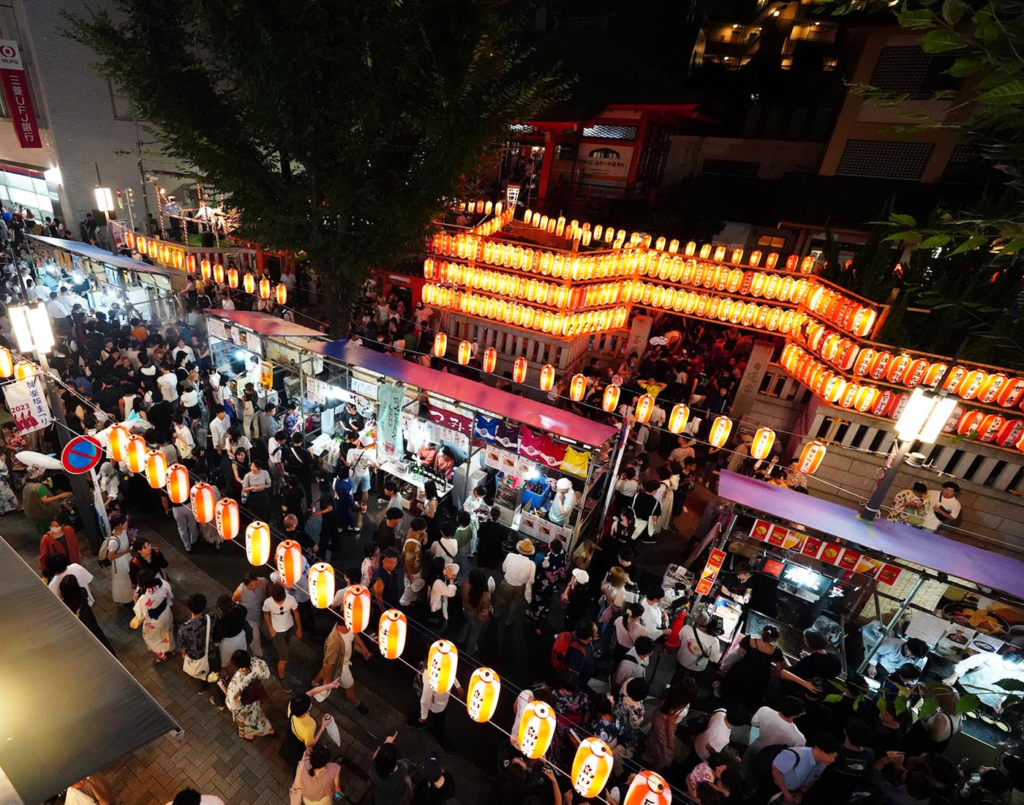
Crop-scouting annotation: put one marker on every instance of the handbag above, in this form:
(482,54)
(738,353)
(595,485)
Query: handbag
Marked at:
(200,669)
(255,692)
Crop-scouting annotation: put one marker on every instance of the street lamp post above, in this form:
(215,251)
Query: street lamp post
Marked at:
(34,333)
(921,421)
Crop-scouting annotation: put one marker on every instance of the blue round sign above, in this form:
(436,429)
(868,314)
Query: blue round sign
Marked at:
(81,454)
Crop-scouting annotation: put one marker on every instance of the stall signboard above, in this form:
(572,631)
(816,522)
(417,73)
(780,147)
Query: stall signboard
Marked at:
(364,389)
(450,420)
(711,569)
(844,558)
(457,438)
(267,375)
(389,421)
(254,344)
(215,328)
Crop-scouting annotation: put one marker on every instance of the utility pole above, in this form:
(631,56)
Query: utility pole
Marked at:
(142,170)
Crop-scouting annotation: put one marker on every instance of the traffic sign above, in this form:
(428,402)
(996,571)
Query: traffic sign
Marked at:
(81,454)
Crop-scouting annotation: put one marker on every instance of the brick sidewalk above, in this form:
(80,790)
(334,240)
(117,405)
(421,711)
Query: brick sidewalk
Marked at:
(208,756)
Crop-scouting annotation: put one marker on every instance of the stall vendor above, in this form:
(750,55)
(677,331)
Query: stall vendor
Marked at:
(893,653)
(563,503)
(982,672)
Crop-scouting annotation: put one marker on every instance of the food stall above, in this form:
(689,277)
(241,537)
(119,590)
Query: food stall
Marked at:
(864,581)
(110,277)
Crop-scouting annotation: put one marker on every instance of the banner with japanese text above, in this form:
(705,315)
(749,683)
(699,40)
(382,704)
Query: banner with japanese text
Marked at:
(389,421)
(16,93)
(27,403)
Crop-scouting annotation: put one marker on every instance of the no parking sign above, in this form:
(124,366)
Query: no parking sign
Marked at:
(81,454)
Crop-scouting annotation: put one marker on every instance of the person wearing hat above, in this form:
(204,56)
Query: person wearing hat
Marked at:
(435,786)
(742,453)
(563,503)
(39,501)
(516,589)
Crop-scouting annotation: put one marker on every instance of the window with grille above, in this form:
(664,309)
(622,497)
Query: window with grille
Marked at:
(565,152)
(607,132)
(771,242)
(965,165)
(908,70)
(884,160)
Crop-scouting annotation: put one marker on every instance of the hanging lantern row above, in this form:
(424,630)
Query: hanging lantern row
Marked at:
(558,265)
(492,225)
(724,309)
(716,277)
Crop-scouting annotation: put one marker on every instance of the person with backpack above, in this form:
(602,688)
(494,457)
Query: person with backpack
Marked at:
(796,769)
(718,733)
(849,773)
(776,728)
(634,664)
(573,653)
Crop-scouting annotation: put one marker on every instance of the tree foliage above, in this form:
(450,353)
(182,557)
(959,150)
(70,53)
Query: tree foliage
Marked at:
(336,128)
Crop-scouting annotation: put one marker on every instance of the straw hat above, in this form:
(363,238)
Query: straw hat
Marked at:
(525,547)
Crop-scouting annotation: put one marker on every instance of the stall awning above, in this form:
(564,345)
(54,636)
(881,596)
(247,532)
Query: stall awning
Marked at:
(265,324)
(67,707)
(903,541)
(510,406)
(102,255)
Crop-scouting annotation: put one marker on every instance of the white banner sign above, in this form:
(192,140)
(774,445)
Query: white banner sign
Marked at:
(27,404)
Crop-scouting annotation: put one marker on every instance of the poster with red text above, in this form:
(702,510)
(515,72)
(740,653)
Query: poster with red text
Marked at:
(16,93)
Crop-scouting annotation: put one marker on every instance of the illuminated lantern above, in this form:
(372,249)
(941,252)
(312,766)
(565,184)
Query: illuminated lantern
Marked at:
(165,254)
(547,377)
(847,354)
(720,430)
(1011,433)
(990,427)
(764,439)
(227,517)
(898,406)
(577,388)
(465,352)
(648,788)
(156,469)
(282,293)
(1011,393)
(834,389)
(218,274)
(811,457)
(972,384)
(289,562)
(257,543)
(265,288)
(177,483)
(179,258)
(678,418)
(23,370)
(129,240)
(135,454)
(592,767)
(864,321)
(442,663)
(391,633)
(898,369)
(6,362)
(118,441)
(865,398)
(142,244)
(536,729)
(482,694)
(204,268)
(190,263)
(249,282)
(970,423)
(916,373)
(519,369)
(611,398)
(203,502)
(355,606)
(490,359)
(233,277)
(880,365)
(990,389)
(321,585)
(883,402)
(954,379)
(644,409)
(440,345)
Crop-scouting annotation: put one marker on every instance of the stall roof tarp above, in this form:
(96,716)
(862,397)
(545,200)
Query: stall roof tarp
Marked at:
(67,707)
(102,255)
(510,406)
(903,541)
(265,324)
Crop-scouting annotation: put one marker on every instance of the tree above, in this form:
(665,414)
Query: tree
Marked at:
(336,128)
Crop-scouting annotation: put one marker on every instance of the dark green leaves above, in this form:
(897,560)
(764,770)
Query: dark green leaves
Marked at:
(940,40)
(968,703)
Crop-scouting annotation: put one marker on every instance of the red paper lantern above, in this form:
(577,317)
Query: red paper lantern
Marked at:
(203,502)
(547,377)
(282,294)
(864,360)
(218,274)
(916,373)
(156,469)
(610,401)
(954,419)
(970,423)
(289,562)
(490,359)
(177,483)
(440,345)
(1011,393)
(135,454)
(142,244)
(249,282)
(265,288)
(811,457)
(578,387)
(990,427)
(232,277)
(932,375)
(644,409)
(972,384)
(465,353)
(898,405)
(954,379)
(865,398)
(118,442)
(879,368)
(1011,433)
(355,606)
(990,389)
(519,369)
(205,270)
(883,402)
(129,240)
(228,518)
(648,788)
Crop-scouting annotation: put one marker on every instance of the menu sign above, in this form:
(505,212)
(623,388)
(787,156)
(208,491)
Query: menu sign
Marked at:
(845,558)
(711,569)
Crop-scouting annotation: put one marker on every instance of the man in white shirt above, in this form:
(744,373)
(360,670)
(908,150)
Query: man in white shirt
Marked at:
(167,382)
(683,451)
(58,564)
(941,507)
(634,664)
(219,428)
(719,730)
(433,702)
(359,460)
(277,612)
(698,646)
(776,727)
(654,616)
(516,589)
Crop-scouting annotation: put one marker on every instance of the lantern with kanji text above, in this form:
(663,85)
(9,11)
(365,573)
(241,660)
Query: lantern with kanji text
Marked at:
(321,585)
(490,360)
(482,694)
(228,518)
(536,729)
(811,457)
(257,543)
(203,502)
(519,369)
(591,767)
(577,388)
(391,632)
(764,439)
(648,788)
(289,562)
(177,483)
(720,430)
(442,663)
(135,454)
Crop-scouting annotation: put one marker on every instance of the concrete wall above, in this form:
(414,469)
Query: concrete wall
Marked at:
(687,155)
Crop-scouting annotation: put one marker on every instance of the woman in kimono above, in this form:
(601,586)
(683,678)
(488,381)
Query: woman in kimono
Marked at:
(153,614)
(550,578)
(243,694)
(119,551)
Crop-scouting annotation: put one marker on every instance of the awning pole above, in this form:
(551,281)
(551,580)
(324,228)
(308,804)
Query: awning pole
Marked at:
(903,607)
(623,437)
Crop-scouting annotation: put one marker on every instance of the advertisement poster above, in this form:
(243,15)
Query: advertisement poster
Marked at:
(605,162)
(389,422)
(28,406)
(19,102)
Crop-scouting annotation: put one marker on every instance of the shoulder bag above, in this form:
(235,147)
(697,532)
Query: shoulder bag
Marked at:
(200,669)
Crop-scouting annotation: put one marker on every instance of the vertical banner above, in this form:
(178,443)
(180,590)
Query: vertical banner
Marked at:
(389,421)
(19,102)
(27,404)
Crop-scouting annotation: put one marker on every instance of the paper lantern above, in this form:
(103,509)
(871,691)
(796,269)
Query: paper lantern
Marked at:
(249,282)
(883,402)
(204,268)
(916,373)
(969,423)
(465,352)
(264,288)
(442,663)
(165,254)
(282,294)
(720,430)
(862,365)
(118,441)
(644,409)
(592,767)
(610,401)
(648,788)
(1011,393)
(190,263)
(519,369)
(1011,433)
(355,607)
(954,379)
(761,447)
(578,387)
(990,389)
(880,365)
(156,469)
(678,418)
(391,633)
(289,562)
(811,457)
(864,321)
(482,694)
(177,483)
(547,377)
(23,370)
(536,729)
(865,398)
(490,359)
(227,517)
(135,454)
(204,502)
(990,427)
(898,405)
(972,384)
(440,345)
(129,240)
(232,277)
(218,274)
(257,543)
(321,585)
(6,362)
(898,368)
(142,243)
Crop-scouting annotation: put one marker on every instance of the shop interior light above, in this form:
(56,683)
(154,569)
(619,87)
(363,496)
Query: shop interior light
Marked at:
(104,199)
(924,416)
